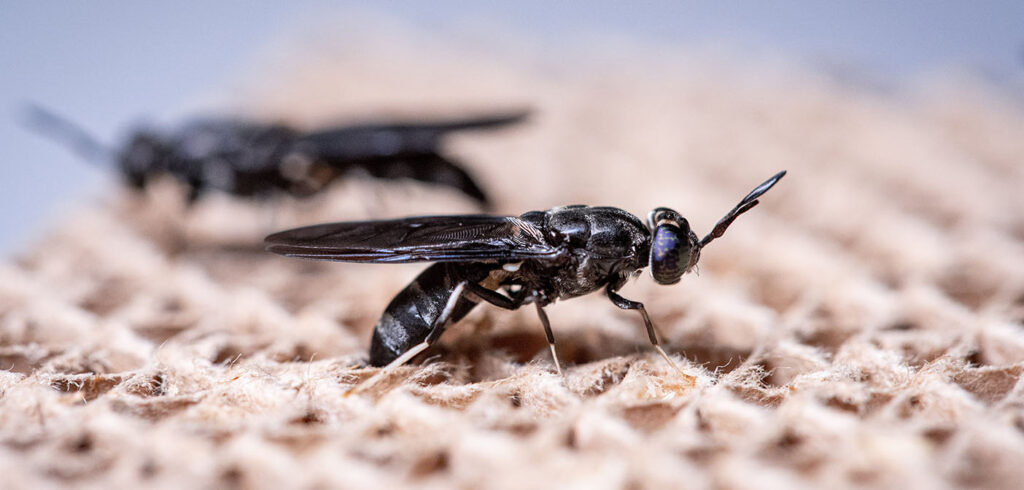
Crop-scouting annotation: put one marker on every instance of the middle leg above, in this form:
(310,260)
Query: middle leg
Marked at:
(497,299)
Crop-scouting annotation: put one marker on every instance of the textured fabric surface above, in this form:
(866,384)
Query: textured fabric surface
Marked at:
(862,327)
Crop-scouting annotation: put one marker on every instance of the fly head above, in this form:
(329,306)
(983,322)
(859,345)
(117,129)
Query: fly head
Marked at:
(675,248)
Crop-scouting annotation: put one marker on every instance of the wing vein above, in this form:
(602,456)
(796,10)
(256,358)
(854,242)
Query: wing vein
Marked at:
(466,238)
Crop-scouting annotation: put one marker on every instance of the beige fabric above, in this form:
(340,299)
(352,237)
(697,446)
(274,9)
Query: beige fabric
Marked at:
(862,327)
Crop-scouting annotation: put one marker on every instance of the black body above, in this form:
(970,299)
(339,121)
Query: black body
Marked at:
(538,257)
(410,316)
(252,159)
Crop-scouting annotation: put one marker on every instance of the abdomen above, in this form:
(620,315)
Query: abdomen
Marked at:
(410,316)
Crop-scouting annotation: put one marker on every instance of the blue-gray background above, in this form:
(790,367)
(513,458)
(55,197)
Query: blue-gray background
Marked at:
(110,63)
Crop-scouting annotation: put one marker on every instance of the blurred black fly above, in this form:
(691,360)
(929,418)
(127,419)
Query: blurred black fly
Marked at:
(538,257)
(250,159)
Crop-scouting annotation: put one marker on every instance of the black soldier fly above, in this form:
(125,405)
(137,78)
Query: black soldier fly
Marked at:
(251,159)
(538,257)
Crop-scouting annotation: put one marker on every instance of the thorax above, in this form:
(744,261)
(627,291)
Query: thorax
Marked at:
(602,245)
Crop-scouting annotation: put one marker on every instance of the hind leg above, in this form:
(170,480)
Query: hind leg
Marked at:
(412,314)
(435,333)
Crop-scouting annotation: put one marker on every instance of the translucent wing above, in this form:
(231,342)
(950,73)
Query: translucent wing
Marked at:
(468,238)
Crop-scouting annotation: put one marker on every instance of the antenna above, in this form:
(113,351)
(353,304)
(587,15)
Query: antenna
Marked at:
(745,205)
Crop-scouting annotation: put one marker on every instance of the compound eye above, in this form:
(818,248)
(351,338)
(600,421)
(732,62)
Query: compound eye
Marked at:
(670,253)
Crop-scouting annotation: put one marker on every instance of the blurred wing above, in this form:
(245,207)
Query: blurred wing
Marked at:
(468,238)
(425,128)
(49,124)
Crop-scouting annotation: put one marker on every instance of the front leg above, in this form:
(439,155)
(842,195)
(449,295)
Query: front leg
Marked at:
(627,304)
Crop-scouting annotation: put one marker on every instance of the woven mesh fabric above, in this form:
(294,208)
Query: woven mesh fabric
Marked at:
(861,327)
